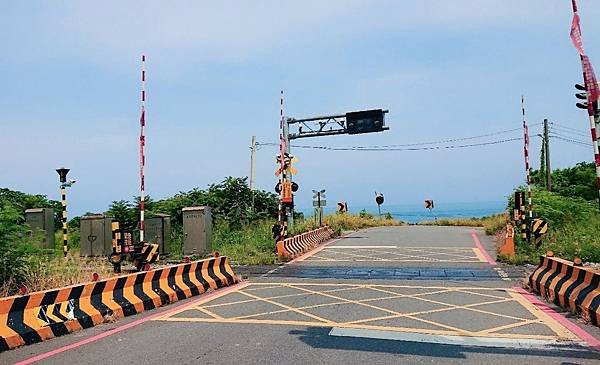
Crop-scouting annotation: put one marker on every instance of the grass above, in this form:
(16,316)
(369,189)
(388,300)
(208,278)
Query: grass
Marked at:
(345,222)
(50,270)
(573,230)
(251,245)
(491,224)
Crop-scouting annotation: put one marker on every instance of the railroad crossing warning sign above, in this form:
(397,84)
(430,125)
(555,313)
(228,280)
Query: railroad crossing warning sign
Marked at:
(429,204)
(379,198)
(342,207)
(539,228)
(319,198)
(288,160)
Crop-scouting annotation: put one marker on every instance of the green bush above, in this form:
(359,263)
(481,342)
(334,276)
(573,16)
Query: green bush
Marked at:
(573,228)
(18,252)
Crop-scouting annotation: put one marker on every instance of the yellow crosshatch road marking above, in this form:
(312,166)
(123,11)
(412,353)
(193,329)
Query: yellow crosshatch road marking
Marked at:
(398,254)
(458,311)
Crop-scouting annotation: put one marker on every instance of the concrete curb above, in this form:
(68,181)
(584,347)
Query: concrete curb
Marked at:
(572,287)
(43,315)
(295,246)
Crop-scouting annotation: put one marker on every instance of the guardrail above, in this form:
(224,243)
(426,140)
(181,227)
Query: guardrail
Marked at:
(42,315)
(295,246)
(570,286)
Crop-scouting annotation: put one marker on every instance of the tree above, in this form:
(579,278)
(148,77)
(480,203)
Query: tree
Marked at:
(577,181)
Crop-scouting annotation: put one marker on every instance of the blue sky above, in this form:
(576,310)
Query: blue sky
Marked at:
(444,69)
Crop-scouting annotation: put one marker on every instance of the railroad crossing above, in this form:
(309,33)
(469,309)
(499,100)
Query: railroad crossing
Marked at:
(416,294)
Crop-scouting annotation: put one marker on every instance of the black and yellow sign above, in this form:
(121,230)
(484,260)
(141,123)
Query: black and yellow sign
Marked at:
(539,227)
(429,204)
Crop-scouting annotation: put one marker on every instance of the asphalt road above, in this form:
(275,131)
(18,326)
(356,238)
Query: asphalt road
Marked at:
(416,295)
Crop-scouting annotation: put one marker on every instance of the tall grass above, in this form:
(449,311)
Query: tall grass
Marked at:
(345,222)
(491,224)
(573,229)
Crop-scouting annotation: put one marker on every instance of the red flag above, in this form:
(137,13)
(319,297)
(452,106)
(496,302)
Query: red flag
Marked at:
(589,77)
(576,34)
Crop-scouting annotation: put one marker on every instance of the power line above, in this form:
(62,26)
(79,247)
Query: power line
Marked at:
(580,131)
(570,138)
(564,130)
(375,148)
(572,141)
(444,140)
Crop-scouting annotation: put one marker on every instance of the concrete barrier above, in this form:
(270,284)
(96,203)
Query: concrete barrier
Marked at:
(572,287)
(295,246)
(42,315)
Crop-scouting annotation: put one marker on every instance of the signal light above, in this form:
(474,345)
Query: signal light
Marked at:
(365,121)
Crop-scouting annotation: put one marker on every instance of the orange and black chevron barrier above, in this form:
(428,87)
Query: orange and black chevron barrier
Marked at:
(568,285)
(294,246)
(42,315)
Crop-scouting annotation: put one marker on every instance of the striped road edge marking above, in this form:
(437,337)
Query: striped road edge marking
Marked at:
(175,309)
(592,341)
(518,343)
(485,254)
(479,254)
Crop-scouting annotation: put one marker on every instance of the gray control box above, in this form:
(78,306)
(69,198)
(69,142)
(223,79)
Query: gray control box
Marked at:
(197,230)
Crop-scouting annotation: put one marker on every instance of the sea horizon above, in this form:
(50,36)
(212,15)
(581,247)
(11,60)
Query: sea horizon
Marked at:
(414,212)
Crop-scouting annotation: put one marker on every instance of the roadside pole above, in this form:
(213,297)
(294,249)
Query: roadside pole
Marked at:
(590,87)
(142,150)
(62,173)
(252,168)
(525,225)
(547,155)
(288,177)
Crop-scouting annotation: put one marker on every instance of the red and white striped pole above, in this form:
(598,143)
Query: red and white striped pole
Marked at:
(142,148)
(526,221)
(526,154)
(282,151)
(591,85)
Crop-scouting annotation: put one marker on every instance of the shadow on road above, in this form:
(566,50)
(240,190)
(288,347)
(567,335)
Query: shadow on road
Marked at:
(318,337)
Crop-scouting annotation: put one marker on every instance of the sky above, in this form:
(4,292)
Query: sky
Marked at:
(69,72)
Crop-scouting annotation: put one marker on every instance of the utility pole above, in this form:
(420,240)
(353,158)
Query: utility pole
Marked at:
(253,163)
(252,168)
(286,136)
(547,155)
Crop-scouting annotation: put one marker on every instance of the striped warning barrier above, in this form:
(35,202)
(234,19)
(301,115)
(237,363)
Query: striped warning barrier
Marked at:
(42,315)
(297,245)
(572,287)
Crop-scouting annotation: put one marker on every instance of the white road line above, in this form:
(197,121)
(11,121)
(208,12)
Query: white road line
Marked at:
(336,246)
(459,340)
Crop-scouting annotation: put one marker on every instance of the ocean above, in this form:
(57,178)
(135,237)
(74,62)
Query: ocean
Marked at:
(413,213)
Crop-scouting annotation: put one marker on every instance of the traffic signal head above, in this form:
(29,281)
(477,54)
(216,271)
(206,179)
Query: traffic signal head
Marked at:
(365,121)
(584,96)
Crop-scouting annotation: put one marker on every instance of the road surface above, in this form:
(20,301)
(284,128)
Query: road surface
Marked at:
(411,294)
